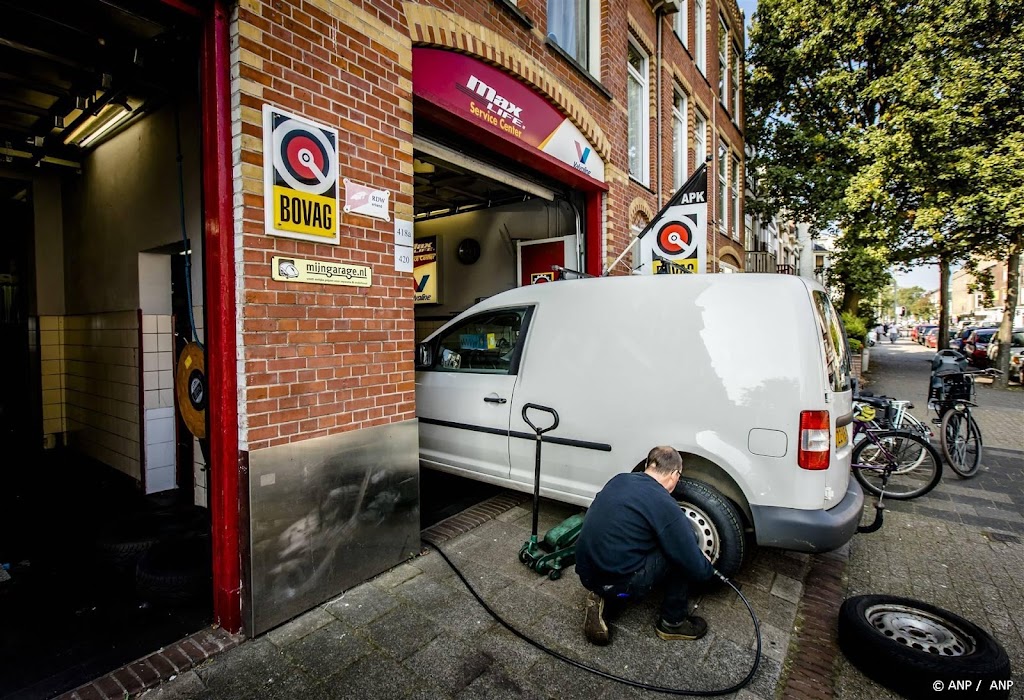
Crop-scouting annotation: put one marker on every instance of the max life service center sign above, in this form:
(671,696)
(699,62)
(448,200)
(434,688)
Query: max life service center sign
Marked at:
(497,102)
(300,177)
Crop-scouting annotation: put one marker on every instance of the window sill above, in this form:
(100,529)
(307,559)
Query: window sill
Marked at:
(514,10)
(580,68)
(642,184)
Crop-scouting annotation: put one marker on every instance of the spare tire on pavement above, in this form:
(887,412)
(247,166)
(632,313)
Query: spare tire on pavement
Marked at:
(917,649)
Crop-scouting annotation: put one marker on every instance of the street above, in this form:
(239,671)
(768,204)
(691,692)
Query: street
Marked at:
(960,546)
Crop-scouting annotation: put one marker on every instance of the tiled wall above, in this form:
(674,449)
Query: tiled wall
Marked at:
(101,395)
(51,350)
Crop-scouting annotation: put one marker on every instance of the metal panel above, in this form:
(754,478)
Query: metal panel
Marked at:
(327,514)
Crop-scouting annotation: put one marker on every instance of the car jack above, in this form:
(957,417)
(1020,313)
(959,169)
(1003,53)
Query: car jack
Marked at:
(557,550)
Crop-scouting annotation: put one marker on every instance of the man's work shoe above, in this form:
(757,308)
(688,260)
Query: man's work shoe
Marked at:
(691,628)
(594,625)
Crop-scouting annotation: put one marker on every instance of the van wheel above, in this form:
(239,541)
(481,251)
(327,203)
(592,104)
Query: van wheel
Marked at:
(716,522)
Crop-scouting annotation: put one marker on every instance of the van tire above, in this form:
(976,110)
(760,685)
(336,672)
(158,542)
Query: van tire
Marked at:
(725,529)
(875,640)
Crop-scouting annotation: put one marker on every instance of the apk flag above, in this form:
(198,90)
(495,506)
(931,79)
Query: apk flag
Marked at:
(677,239)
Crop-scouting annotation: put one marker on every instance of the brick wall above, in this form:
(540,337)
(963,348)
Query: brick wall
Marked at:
(320,360)
(316,360)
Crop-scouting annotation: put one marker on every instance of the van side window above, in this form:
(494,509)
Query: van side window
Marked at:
(833,341)
(483,344)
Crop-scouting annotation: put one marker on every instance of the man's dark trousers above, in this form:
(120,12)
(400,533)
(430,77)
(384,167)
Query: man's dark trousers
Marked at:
(656,568)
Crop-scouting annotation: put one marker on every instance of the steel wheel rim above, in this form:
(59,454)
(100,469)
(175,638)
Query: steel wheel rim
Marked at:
(921,630)
(708,539)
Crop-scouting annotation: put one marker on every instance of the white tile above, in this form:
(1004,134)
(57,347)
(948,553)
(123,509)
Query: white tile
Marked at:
(160,413)
(159,431)
(150,361)
(200,497)
(200,474)
(165,342)
(166,379)
(152,380)
(163,324)
(159,479)
(152,399)
(165,360)
(159,454)
(150,342)
(166,398)
(148,323)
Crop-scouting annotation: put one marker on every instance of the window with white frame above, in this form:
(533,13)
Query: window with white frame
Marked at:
(723,187)
(700,136)
(679,169)
(700,33)
(575,26)
(723,62)
(727,269)
(680,23)
(639,122)
(734,198)
(734,76)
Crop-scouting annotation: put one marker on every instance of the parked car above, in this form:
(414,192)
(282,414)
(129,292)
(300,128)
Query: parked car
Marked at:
(976,346)
(1016,350)
(914,331)
(633,362)
(922,332)
(957,342)
(931,338)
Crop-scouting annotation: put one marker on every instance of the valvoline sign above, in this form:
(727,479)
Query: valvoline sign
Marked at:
(501,104)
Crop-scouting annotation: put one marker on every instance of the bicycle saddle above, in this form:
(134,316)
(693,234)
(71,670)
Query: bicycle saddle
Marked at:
(879,401)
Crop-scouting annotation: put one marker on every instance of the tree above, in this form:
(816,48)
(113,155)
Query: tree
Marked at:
(811,102)
(901,123)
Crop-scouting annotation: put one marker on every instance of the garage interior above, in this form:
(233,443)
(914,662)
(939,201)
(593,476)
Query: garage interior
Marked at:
(480,211)
(105,548)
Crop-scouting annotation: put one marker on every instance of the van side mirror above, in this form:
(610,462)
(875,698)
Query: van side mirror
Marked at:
(424,356)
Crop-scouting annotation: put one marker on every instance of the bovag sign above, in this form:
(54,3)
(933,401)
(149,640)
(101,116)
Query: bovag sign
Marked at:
(300,166)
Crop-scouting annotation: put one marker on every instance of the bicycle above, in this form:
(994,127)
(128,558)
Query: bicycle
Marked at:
(951,394)
(881,455)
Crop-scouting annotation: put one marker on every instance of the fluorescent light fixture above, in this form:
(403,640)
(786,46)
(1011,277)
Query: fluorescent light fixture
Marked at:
(480,168)
(97,124)
(122,112)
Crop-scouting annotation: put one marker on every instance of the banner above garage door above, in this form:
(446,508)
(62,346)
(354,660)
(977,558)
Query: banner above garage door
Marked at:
(502,105)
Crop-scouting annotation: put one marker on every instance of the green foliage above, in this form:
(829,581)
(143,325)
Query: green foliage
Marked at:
(856,328)
(855,346)
(901,122)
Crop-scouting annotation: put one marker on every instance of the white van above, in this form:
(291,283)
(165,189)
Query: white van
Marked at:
(747,376)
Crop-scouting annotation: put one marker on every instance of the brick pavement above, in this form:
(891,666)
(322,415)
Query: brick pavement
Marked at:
(414,632)
(960,546)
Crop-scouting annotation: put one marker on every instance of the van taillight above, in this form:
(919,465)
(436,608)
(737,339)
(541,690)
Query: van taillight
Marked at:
(815,440)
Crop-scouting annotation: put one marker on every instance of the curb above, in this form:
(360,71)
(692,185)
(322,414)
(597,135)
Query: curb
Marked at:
(160,666)
(472,517)
(813,655)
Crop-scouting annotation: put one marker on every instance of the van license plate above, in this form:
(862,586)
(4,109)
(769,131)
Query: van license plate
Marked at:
(841,438)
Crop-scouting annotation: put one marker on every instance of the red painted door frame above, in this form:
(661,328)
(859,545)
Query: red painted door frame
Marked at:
(221,368)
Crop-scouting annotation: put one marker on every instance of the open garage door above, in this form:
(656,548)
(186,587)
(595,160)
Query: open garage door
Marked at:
(106,532)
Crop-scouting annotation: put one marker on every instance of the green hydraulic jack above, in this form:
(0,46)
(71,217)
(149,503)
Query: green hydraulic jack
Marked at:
(558,548)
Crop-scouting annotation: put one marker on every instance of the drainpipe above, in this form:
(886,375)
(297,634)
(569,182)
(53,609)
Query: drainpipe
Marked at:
(659,16)
(221,366)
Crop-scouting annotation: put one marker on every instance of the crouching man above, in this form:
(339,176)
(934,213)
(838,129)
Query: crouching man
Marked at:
(635,536)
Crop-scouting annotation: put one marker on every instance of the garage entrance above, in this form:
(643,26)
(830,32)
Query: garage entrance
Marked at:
(106,535)
(507,192)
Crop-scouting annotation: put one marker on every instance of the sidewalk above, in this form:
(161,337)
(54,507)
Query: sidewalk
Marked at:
(960,546)
(415,632)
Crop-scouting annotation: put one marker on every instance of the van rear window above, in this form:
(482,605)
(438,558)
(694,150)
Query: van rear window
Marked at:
(833,341)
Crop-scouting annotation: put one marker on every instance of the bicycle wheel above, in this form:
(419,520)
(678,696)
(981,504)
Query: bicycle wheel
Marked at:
(908,466)
(961,442)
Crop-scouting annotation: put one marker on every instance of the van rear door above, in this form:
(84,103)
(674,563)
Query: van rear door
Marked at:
(835,355)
